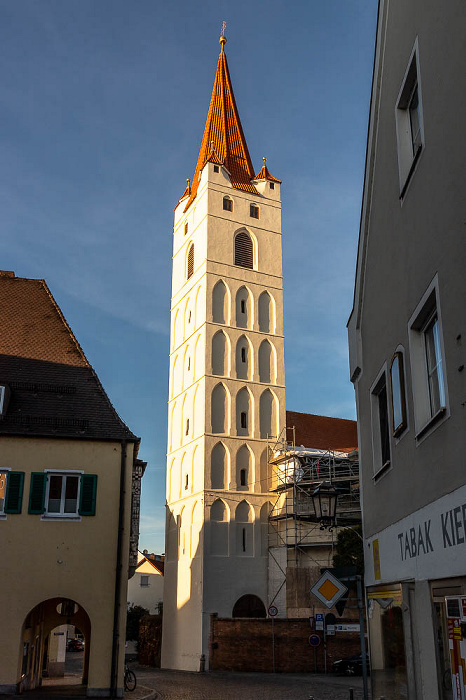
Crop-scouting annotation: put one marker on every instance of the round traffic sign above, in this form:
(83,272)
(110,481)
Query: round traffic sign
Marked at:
(273,611)
(314,640)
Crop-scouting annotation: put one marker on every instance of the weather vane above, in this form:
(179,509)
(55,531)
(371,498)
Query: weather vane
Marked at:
(223,39)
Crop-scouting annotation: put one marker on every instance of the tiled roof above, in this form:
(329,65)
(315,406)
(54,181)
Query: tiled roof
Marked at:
(264,174)
(223,132)
(54,389)
(321,432)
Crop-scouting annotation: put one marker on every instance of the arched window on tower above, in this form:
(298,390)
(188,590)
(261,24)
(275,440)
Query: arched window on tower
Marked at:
(244,530)
(244,250)
(243,426)
(243,468)
(265,313)
(219,303)
(218,408)
(268,417)
(219,528)
(218,466)
(219,354)
(190,261)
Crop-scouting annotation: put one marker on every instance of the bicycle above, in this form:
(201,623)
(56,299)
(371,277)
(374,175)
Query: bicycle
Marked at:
(129,679)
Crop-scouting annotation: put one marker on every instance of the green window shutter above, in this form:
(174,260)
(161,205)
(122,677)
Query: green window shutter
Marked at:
(37,493)
(88,494)
(14,492)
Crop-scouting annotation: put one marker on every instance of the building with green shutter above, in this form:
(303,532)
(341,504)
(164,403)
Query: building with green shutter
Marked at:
(69,498)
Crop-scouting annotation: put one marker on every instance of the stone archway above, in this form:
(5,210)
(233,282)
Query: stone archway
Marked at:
(46,617)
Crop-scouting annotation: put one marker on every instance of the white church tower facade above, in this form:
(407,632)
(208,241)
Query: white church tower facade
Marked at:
(227,386)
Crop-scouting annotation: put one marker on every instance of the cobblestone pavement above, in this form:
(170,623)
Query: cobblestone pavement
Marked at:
(215,685)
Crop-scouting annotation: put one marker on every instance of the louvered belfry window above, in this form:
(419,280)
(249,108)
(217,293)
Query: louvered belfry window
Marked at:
(190,265)
(243,250)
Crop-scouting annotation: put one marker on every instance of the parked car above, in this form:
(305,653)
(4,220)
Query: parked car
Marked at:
(75,645)
(351,665)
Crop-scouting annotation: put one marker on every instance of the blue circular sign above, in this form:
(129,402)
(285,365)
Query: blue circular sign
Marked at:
(314,640)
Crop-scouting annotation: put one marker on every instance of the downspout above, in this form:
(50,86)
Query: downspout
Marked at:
(118,572)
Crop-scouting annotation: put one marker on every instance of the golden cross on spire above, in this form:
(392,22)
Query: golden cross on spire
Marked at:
(223,39)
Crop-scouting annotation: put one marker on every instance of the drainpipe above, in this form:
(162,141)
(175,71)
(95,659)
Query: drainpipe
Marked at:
(116,605)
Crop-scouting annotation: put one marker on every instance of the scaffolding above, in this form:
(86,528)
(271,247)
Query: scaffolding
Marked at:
(296,539)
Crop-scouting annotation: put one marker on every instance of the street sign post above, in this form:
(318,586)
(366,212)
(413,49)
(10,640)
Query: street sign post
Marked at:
(329,589)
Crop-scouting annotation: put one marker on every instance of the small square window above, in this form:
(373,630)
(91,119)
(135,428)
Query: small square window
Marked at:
(227,204)
(216,169)
(144,581)
(254,211)
(272,185)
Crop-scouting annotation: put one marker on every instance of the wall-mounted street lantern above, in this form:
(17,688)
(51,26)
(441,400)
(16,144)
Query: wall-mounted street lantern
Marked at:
(324,499)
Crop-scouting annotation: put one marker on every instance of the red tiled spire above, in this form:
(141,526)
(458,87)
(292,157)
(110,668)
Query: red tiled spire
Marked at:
(223,142)
(264,173)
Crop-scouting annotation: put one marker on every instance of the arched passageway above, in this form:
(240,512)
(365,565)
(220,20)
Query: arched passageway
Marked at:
(44,641)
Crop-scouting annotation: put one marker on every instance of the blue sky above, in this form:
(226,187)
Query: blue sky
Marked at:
(103,105)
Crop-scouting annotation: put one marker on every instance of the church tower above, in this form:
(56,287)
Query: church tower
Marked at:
(227,385)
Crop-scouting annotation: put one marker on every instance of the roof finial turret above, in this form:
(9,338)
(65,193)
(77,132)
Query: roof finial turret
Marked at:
(264,160)
(223,39)
(212,146)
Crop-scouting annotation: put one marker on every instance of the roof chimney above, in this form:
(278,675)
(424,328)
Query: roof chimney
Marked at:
(6,273)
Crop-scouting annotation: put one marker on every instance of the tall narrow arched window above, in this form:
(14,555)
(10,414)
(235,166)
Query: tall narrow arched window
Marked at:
(219,528)
(265,325)
(244,529)
(219,303)
(268,417)
(243,250)
(218,466)
(219,409)
(190,261)
(243,426)
(243,468)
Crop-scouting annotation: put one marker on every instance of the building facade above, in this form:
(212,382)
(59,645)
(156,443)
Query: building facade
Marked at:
(407,338)
(145,588)
(227,393)
(67,467)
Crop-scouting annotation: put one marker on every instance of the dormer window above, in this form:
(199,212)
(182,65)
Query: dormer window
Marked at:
(227,204)
(254,211)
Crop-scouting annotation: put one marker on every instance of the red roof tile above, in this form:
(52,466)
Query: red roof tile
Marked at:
(223,141)
(54,389)
(321,432)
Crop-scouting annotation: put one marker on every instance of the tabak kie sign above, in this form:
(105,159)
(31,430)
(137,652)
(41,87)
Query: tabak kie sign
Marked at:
(430,537)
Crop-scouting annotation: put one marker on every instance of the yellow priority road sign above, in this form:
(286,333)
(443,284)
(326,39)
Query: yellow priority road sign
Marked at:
(329,589)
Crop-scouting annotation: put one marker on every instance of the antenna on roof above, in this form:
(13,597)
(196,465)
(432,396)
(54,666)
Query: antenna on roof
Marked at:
(223,39)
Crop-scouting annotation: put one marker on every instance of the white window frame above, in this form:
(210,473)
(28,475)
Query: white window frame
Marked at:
(61,515)
(379,465)
(4,470)
(408,156)
(425,419)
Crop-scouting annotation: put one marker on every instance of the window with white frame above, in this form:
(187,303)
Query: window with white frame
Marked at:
(398,394)
(409,121)
(380,423)
(427,361)
(62,494)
